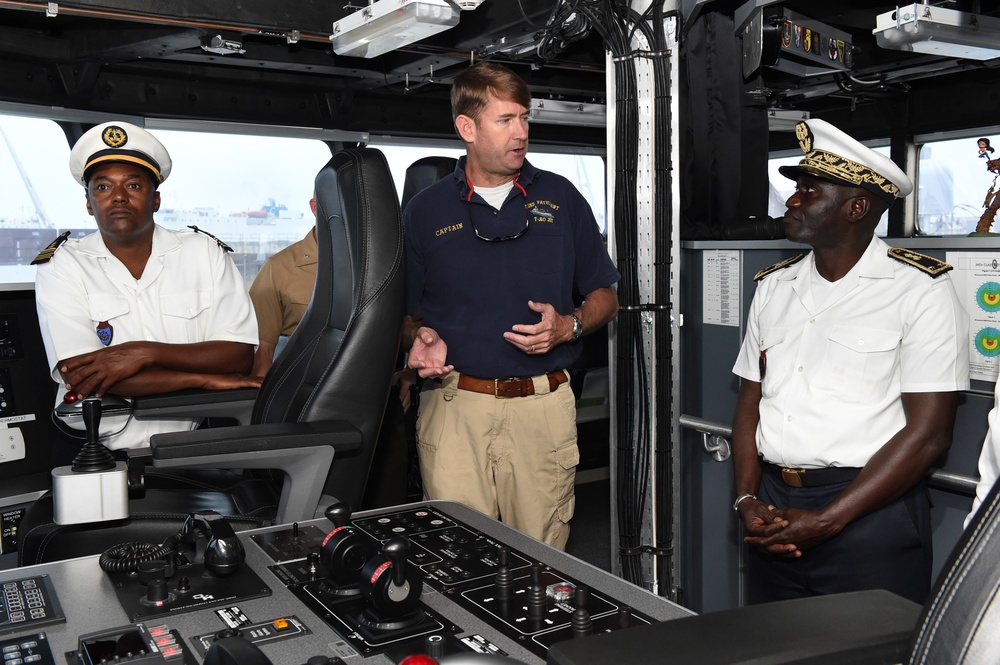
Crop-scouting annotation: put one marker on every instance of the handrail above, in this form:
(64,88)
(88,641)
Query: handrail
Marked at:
(706,426)
(716,435)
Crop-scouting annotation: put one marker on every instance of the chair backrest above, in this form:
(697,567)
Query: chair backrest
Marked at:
(338,363)
(961,622)
(423,173)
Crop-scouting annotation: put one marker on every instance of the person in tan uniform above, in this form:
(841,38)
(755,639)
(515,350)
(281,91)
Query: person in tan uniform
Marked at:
(281,293)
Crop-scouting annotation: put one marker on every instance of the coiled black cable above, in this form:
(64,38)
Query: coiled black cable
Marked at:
(126,557)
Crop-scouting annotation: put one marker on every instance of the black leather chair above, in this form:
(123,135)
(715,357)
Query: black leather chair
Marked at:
(961,622)
(425,172)
(326,391)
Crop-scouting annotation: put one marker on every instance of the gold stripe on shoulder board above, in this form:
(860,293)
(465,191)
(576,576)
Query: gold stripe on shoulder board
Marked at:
(928,264)
(778,266)
(46,254)
(221,244)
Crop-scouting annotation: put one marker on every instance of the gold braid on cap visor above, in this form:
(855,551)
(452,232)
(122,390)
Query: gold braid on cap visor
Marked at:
(125,157)
(823,162)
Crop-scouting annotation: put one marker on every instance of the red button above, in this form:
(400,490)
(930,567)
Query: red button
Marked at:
(418,659)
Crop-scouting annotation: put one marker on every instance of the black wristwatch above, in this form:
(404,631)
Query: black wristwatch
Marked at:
(577,327)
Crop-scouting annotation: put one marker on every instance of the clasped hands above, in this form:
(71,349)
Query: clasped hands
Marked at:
(784,533)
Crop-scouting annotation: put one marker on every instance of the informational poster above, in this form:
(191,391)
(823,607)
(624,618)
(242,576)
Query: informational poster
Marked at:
(721,296)
(977,281)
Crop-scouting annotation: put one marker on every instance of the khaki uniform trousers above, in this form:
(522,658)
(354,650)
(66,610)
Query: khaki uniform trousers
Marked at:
(514,459)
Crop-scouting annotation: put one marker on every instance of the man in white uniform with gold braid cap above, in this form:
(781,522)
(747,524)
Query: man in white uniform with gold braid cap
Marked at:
(849,370)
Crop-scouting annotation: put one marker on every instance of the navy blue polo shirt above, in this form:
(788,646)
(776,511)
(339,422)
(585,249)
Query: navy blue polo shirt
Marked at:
(472,291)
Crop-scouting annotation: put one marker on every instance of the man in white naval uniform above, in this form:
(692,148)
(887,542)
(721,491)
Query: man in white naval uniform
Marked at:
(135,308)
(849,370)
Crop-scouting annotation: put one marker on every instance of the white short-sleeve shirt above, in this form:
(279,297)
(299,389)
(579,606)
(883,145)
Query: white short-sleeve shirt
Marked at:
(832,375)
(190,291)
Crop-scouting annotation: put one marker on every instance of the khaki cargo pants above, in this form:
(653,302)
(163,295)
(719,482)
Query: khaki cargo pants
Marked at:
(512,459)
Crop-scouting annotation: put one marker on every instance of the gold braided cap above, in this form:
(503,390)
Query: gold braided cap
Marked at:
(829,164)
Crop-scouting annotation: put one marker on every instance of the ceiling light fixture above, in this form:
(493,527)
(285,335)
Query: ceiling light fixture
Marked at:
(385,25)
(939,31)
(560,112)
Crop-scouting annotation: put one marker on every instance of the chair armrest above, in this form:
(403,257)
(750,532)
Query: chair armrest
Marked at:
(194,403)
(303,451)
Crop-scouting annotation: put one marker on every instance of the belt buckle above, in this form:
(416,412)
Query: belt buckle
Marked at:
(496,388)
(792,477)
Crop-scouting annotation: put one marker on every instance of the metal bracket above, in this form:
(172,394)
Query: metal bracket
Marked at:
(717,446)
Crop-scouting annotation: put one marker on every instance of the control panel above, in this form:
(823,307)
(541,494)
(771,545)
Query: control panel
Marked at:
(32,648)
(434,578)
(27,603)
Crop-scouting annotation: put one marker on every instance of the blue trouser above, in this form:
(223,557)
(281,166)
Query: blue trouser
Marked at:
(889,548)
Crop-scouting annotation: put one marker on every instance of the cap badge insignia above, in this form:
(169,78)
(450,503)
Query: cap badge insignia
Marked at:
(805,136)
(114,136)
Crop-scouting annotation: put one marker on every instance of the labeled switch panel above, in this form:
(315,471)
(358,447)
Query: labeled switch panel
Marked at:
(10,520)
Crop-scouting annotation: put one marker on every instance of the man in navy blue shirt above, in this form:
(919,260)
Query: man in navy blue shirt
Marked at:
(495,252)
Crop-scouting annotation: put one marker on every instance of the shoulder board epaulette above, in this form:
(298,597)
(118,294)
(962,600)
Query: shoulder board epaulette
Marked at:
(778,266)
(221,244)
(928,264)
(46,254)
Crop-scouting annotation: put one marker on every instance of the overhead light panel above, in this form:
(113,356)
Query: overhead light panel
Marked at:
(386,25)
(561,112)
(939,31)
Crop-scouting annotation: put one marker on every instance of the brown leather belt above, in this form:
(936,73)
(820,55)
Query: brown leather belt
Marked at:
(503,388)
(813,477)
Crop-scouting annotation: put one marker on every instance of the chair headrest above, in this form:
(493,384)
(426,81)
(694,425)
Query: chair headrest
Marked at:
(423,173)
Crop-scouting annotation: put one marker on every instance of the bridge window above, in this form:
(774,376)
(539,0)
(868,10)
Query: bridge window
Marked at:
(953,181)
(252,191)
(38,196)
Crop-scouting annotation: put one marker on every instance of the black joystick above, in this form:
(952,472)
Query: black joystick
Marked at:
(538,604)
(343,553)
(580,622)
(392,588)
(503,580)
(93,456)
(339,514)
(395,550)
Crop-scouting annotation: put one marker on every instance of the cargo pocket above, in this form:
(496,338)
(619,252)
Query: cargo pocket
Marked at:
(567,459)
